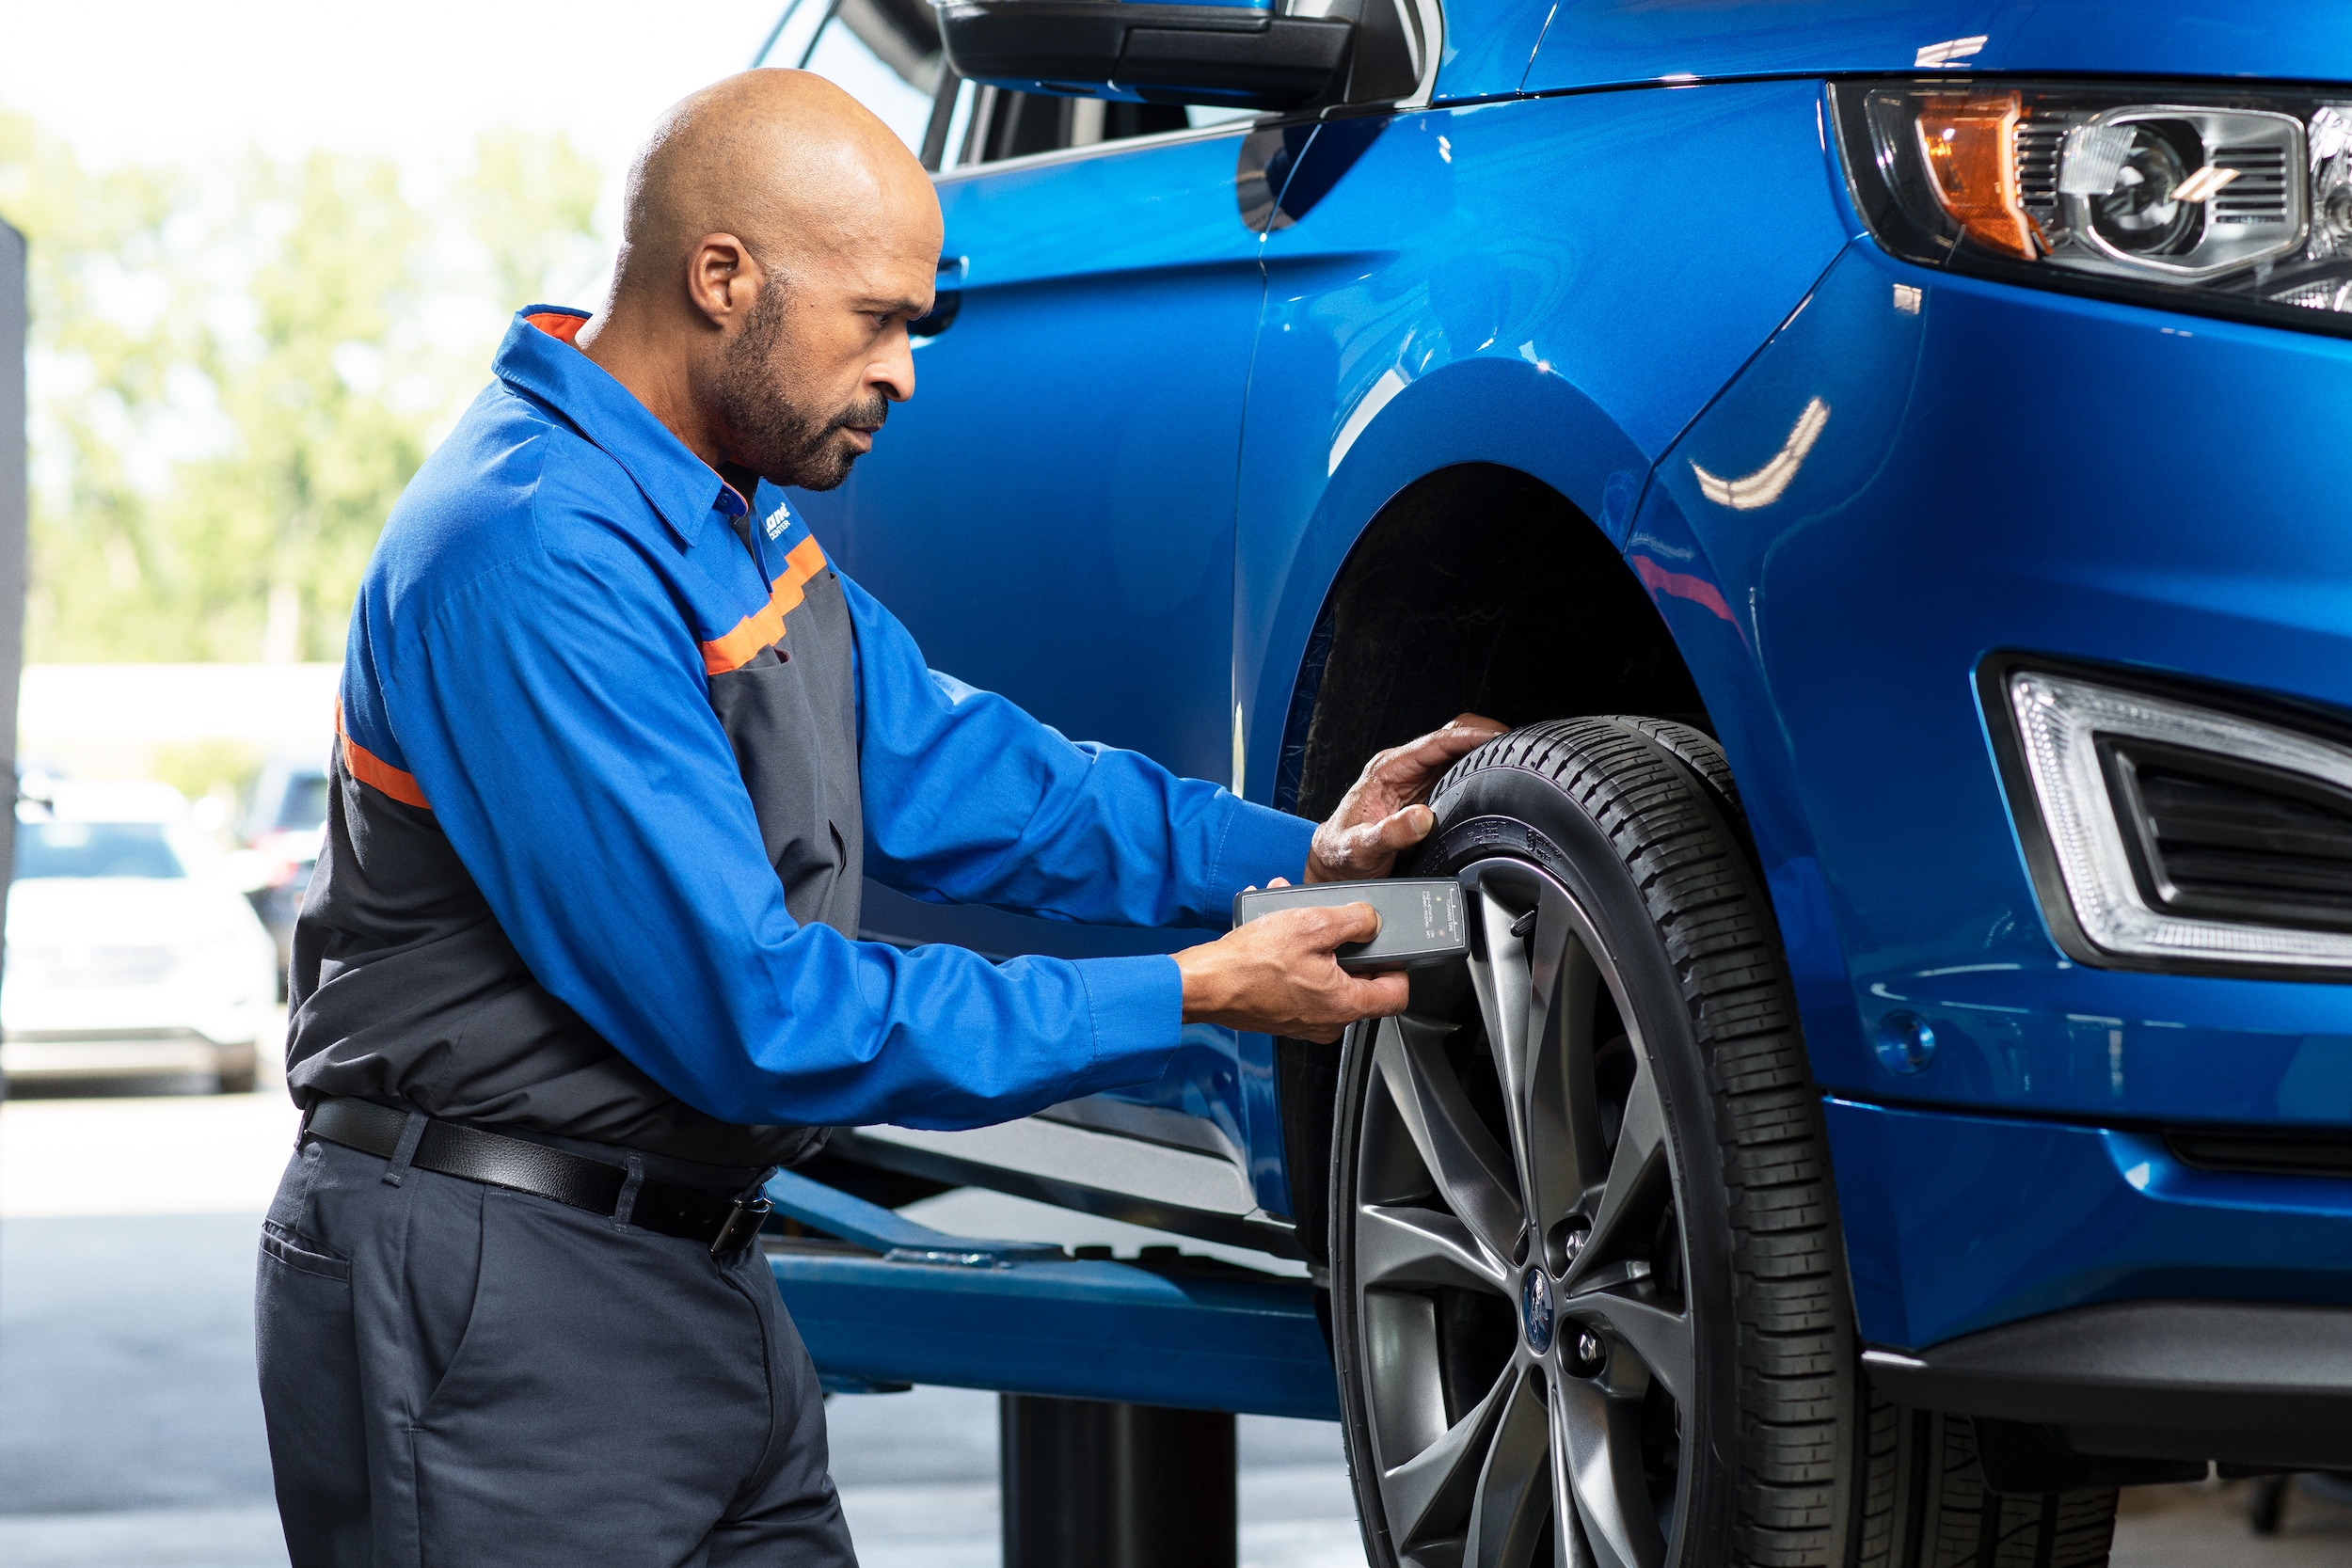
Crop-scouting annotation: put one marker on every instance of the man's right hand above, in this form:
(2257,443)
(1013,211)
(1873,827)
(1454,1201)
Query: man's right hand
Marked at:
(1277,976)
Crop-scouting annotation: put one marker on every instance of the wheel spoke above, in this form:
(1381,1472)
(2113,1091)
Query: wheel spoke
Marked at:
(1637,1169)
(1471,1173)
(1430,1489)
(1502,982)
(1514,1486)
(1397,1244)
(1599,1432)
(1570,1549)
(1659,1337)
(1566,1157)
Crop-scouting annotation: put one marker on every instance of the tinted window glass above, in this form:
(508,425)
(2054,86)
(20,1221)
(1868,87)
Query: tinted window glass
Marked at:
(989,124)
(305,806)
(886,55)
(94,850)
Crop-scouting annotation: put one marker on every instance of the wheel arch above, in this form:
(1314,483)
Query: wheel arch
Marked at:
(1437,609)
(1443,605)
(1517,446)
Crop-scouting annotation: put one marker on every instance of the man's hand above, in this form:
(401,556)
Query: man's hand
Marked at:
(1277,976)
(1382,815)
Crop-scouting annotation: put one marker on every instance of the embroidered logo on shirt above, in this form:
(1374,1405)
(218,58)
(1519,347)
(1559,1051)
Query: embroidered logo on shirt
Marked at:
(778,520)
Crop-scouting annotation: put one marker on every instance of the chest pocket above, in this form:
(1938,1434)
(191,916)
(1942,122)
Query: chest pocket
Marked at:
(789,713)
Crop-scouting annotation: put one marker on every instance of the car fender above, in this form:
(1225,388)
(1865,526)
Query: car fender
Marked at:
(1571,328)
(1478,410)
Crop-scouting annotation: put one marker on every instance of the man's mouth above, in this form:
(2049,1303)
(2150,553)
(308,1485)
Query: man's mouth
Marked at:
(861,436)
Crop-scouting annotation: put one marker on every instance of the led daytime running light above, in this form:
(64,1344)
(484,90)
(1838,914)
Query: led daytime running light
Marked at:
(2059,720)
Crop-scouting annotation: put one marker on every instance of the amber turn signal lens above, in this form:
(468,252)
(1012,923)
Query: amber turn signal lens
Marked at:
(1970,146)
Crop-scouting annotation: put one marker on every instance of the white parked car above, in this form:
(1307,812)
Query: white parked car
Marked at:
(129,951)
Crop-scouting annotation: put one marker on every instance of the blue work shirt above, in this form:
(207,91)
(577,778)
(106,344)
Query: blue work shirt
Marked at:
(529,675)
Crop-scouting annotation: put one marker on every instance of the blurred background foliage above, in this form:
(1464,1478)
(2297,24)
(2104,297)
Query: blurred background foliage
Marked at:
(234,375)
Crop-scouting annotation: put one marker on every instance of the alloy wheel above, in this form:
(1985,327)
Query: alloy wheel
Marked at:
(1529,1350)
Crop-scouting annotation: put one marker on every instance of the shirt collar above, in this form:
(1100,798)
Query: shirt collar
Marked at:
(537,357)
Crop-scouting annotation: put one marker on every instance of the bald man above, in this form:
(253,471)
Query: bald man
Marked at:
(578,965)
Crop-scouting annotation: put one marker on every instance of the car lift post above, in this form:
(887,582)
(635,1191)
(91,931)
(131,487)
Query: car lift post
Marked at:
(1116,1485)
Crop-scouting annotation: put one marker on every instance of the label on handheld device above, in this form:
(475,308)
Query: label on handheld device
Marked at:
(1422,919)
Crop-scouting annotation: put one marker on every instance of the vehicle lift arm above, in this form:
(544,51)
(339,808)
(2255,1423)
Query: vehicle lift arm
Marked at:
(1119,1380)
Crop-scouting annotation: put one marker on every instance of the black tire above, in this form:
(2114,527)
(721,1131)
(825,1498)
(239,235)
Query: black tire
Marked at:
(1613,847)
(1925,1504)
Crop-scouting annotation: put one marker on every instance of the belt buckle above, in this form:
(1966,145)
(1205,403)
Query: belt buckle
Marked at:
(742,1222)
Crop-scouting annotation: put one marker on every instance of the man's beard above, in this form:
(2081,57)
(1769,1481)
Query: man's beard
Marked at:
(766,431)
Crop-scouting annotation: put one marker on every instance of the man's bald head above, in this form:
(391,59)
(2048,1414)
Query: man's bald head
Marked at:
(782,159)
(778,239)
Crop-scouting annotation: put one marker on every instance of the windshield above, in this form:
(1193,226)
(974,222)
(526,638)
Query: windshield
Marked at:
(94,850)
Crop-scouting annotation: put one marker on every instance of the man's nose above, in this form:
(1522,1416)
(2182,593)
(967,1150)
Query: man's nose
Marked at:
(894,377)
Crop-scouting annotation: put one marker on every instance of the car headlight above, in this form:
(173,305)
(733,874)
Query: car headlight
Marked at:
(2218,202)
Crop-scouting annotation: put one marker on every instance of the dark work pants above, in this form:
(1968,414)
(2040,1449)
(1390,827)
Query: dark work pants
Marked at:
(456,1373)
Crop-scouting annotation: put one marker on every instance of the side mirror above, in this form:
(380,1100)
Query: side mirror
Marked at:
(1230,56)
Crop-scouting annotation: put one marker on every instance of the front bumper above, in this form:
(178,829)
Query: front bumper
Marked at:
(1918,473)
(2241,1381)
(1956,1222)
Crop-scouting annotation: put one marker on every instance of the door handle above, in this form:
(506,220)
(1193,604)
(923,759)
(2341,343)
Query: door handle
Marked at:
(946,300)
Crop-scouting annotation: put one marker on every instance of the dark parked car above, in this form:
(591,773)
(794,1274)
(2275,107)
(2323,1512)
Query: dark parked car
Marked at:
(283,822)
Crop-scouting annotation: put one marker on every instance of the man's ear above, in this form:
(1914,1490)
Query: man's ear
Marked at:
(722,278)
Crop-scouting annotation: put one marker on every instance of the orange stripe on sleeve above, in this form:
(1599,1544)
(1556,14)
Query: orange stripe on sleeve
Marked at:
(764,627)
(372,770)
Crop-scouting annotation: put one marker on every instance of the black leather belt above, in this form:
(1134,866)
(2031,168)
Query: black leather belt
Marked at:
(724,1224)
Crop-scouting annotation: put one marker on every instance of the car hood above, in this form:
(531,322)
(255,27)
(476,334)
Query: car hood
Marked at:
(121,912)
(1604,42)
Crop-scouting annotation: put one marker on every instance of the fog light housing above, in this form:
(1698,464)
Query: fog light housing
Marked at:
(2167,834)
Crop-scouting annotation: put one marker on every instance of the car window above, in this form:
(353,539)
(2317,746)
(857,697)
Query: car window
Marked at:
(884,53)
(989,124)
(305,804)
(95,849)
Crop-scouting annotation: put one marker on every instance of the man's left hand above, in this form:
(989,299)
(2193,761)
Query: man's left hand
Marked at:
(1383,815)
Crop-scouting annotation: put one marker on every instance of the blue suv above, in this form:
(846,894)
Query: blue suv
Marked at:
(1887,459)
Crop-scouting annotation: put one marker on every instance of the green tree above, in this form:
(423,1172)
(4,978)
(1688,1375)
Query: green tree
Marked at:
(287,321)
(95,550)
(270,537)
(532,200)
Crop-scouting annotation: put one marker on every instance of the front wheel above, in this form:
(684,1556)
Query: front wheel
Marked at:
(1588,1296)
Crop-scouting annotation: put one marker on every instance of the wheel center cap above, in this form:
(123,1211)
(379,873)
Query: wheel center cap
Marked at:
(1535,1309)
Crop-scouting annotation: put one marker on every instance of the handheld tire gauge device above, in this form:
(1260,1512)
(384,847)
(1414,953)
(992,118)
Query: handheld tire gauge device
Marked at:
(1422,919)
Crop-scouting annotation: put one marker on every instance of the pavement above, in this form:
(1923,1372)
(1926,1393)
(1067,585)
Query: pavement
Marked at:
(131,1434)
